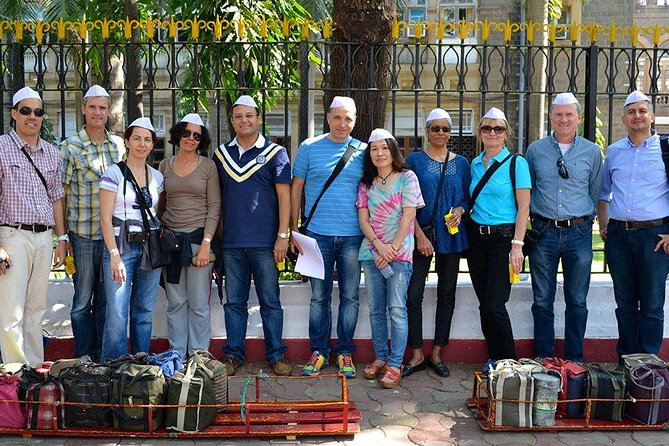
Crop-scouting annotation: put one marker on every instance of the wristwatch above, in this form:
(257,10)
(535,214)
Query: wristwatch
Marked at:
(63,238)
(283,235)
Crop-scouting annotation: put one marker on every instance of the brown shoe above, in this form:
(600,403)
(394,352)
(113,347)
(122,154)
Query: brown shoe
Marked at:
(231,364)
(282,368)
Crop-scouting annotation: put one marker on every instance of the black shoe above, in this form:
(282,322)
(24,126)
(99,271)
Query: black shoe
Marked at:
(408,369)
(439,368)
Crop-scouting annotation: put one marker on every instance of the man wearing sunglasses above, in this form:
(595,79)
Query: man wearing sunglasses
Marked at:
(31,208)
(255,181)
(634,223)
(86,155)
(566,177)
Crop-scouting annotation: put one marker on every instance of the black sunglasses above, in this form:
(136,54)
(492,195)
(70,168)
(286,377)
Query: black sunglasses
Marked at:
(497,129)
(562,169)
(436,128)
(147,197)
(196,136)
(26,111)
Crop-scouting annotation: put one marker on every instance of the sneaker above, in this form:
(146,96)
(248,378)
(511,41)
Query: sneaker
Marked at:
(231,364)
(345,365)
(281,367)
(315,364)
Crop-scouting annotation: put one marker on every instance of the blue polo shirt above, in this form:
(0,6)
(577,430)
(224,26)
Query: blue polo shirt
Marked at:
(496,204)
(250,206)
(336,214)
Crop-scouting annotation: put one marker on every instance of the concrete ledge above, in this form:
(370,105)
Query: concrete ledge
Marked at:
(467,344)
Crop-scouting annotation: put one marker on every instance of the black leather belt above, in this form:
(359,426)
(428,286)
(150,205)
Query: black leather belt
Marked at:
(635,225)
(36,227)
(505,230)
(562,223)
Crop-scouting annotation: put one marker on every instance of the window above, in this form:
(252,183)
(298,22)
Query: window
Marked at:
(416,11)
(467,121)
(70,125)
(158,122)
(277,128)
(565,19)
(453,11)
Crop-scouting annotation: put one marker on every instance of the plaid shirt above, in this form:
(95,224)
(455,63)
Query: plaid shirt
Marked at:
(23,199)
(84,162)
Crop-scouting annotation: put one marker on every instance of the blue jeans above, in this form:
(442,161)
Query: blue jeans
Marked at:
(136,295)
(88,302)
(342,251)
(241,264)
(388,296)
(639,277)
(574,246)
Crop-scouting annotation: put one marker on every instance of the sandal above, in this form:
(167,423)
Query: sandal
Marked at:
(392,377)
(373,370)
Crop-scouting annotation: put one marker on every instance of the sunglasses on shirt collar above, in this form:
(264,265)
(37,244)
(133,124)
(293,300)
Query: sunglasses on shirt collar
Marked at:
(26,111)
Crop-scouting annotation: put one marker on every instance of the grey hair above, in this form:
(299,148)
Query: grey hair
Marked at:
(108,100)
(648,103)
(578,108)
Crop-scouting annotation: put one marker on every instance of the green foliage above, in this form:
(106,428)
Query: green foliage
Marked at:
(599,136)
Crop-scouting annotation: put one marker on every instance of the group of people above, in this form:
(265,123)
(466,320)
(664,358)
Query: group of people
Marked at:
(365,205)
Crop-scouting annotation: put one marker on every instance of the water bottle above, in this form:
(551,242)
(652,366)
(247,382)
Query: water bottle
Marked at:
(387,271)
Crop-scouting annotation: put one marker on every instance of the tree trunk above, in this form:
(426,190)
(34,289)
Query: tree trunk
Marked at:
(133,80)
(360,59)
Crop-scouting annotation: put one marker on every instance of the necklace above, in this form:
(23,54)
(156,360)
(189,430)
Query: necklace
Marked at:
(384,179)
(187,162)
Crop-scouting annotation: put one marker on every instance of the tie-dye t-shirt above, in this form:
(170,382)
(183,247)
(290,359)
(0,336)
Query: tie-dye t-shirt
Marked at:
(385,212)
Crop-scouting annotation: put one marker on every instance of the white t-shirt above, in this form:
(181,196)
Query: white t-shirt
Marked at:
(126,207)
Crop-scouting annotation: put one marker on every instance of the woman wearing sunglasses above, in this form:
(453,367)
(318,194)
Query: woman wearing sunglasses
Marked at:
(444,179)
(190,206)
(127,189)
(388,196)
(496,229)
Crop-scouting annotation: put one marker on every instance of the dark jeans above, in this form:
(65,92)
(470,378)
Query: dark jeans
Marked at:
(639,278)
(447,266)
(488,260)
(574,247)
(88,302)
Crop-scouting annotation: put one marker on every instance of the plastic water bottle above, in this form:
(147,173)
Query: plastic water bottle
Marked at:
(387,271)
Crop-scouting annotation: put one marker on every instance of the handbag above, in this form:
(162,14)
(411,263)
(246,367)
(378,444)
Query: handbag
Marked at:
(169,242)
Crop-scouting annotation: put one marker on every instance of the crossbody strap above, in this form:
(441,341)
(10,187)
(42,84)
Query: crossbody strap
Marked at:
(664,146)
(337,170)
(39,174)
(486,176)
(143,205)
(441,182)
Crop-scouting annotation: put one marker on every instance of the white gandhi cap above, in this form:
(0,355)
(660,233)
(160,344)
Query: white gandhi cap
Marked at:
(144,123)
(439,113)
(344,101)
(565,99)
(636,96)
(379,134)
(24,93)
(96,90)
(245,100)
(495,113)
(193,118)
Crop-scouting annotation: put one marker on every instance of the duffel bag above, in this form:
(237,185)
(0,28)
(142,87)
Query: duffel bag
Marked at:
(509,380)
(192,386)
(649,381)
(87,385)
(170,361)
(141,385)
(604,384)
(573,386)
(634,360)
(13,415)
(62,364)
(219,377)
(42,407)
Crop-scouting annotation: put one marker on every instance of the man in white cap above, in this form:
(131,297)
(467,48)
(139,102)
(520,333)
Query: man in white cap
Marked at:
(332,219)
(255,181)
(31,206)
(566,178)
(634,222)
(86,156)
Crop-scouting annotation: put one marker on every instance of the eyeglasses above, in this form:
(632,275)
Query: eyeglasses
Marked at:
(26,111)
(497,129)
(562,169)
(436,129)
(196,136)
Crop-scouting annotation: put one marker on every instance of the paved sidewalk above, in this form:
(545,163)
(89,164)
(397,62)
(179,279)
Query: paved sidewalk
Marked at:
(424,410)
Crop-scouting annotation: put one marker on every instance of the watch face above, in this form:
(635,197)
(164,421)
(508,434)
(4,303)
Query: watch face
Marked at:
(283,235)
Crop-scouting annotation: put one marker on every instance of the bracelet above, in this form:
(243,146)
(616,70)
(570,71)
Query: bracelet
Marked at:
(517,242)
(206,239)
(113,251)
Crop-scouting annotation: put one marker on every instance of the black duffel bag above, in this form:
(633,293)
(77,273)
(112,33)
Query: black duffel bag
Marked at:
(87,385)
(604,384)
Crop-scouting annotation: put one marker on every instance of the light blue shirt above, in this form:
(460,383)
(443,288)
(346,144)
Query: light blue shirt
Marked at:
(563,198)
(635,181)
(336,214)
(496,204)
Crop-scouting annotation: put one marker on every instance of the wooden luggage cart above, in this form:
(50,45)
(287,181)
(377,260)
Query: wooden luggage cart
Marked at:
(246,417)
(483,405)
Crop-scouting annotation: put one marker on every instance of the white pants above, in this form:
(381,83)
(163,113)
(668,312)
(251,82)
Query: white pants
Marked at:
(23,290)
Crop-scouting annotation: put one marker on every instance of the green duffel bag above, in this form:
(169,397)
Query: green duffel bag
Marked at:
(219,377)
(137,384)
(193,387)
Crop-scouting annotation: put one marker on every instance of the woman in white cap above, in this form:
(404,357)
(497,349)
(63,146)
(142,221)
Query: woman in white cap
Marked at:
(444,179)
(388,196)
(500,209)
(131,284)
(190,205)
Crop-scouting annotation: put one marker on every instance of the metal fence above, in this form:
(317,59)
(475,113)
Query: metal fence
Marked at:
(465,67)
